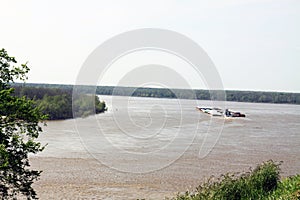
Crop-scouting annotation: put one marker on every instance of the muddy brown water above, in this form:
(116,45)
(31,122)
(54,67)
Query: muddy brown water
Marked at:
(151,148)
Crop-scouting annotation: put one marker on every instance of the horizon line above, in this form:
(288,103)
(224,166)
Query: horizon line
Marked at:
(241,90)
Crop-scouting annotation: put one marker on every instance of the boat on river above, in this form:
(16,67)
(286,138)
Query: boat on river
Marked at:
(218,112)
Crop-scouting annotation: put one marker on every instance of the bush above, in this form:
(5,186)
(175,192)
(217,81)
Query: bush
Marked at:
(261,183)
(288,188)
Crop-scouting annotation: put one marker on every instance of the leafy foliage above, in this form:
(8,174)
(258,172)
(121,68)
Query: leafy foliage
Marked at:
(56,107)
(261,183)
(288,188)
(57,102)
(19,127)
(84,105)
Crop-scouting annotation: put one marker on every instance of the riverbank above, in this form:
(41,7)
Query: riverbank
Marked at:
(200,94)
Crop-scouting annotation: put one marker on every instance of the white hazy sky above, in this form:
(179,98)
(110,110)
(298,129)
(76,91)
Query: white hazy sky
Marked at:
(255,44)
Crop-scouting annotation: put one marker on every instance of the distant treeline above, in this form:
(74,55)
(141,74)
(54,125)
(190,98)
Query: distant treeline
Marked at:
(231,95)
(57,102)
(239,96)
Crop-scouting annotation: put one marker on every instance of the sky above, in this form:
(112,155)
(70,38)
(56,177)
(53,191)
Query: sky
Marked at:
(254,44)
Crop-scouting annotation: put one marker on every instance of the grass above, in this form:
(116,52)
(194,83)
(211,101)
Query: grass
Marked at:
(261,183)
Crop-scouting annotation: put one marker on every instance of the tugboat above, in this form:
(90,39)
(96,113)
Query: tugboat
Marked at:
(229,113)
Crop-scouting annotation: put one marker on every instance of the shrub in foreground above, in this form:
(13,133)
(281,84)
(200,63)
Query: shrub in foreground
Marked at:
(261,183)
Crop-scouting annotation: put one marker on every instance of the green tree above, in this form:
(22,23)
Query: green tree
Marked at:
(19,127)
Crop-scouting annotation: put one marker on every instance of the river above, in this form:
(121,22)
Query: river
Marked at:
(144,140)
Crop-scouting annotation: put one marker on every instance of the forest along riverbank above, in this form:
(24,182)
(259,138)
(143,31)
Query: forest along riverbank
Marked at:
(268,132)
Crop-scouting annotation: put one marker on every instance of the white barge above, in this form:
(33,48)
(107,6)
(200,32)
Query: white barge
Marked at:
(219,112)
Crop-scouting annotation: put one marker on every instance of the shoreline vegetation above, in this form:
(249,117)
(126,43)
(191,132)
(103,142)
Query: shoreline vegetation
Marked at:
(263,182)
(231,95)
(58,103)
